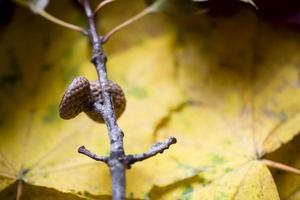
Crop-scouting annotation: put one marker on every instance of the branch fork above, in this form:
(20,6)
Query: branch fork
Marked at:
(129,160)
(117,161)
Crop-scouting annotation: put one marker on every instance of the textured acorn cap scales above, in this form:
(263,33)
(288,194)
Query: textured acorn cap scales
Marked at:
(76,99)
(81,94)
(118,99)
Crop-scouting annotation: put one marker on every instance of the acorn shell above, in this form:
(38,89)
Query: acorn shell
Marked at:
(76,98)
(118,98)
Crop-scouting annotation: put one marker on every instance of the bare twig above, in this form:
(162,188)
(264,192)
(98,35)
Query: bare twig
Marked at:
(117,161)
(102,4)
(281,166)
(86,152)
(159,147)
(60,22)
(117,168)
(126,23)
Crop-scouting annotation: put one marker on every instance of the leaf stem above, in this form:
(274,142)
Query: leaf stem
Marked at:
(19,189)
(60,22)
(102,4)
(126,23)
(281,166)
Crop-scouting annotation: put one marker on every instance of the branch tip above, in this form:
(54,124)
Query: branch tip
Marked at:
(81,149)
(158,147)
(86,152)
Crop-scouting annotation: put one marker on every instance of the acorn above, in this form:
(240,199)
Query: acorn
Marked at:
(118,99)
(81,94)
(76,99)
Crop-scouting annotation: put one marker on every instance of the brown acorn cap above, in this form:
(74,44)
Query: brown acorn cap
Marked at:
(118,97)
(76,99)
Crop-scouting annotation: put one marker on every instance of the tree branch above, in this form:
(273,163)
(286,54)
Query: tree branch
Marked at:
(159,147)
(86,152)
(117,160)
(116,166)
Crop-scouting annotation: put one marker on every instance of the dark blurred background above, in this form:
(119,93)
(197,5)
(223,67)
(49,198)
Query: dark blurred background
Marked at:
(277,11)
